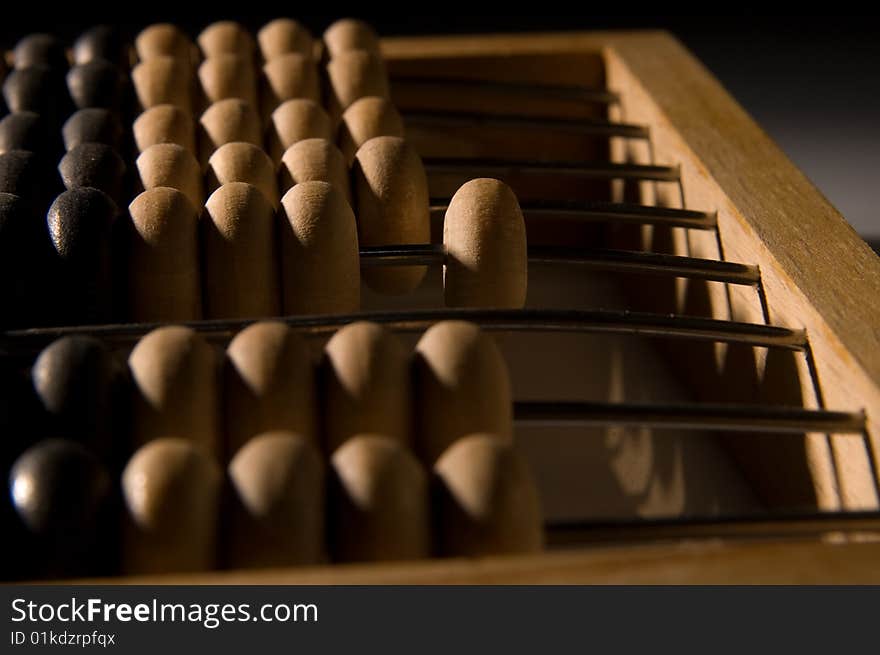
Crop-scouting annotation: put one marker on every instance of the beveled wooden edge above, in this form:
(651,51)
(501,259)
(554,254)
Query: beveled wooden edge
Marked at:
(780,562)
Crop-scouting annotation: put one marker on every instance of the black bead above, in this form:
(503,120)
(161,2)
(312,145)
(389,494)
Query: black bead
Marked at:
(92,125)
(82,389)
(39,89)
(94,165)
(64,499)
(80,223)
(97,83)
(39,50)
(101,42)
(27,175)
(22,130)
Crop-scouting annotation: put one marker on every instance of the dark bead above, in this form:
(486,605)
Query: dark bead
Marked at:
(23,130)
(38,89)
(26,175)
(101,42)
(82,389)
(39,50)
(80,223)
(93,125)
(64,499)
(97,83)
(94,165)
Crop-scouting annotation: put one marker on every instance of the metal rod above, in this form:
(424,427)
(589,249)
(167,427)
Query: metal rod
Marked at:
(582,126)
(597,211)
(694,416)
(549,91)
(484,167)
(762,525)
(515,320)
(622,261)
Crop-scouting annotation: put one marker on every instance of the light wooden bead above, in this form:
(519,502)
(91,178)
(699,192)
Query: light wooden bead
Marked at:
(227,121)
(487,502)
(314,160)
(163,274)
(163,81)
(171,165)
(242,162)
(228,76)
(269,384)
(288,77)
(175,374)
(226,37)
(461,387)
(379,506)
(320,259)
(165,124)
(163,40)
(349,34)
(353,75)
(240,264)
(172,497)
(276,516)
(391,196)
(294,121)
(365,385)
(485,238)
(282,36)
(365,119)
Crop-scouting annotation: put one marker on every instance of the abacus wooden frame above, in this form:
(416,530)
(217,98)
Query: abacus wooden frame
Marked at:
(817,274)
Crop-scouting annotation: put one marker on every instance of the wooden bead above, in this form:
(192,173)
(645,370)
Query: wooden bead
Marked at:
(314,160)
(242,162)
(94,165)
(163,274)
(379,507)
(366,119)
(485,238)
(226,37)
(92,125)
(282,36)
(294,121)
(269,384)
(365,385)
(39,50)
(228,76)
(487,503)
(82,389)
(352,75)
(80,225)
(240,262)
(25,174)
(164,124)
(227,121)
(288,77)
(64,498)
(101,42)
(171,490)
(276,516)
(391,192)
(175,376)
(171,165)
(349,34)
(163,40)
(461,387)
(38,89)
(163,80)
(23,130)
(320,261)
(97,83)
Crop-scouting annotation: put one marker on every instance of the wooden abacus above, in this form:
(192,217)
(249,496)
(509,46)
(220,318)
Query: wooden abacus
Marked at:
(650,356)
